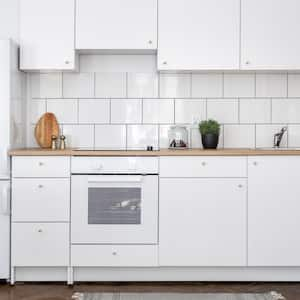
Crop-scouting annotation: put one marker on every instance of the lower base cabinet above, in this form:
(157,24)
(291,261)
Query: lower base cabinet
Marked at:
(114,256)
(274,211)
(40,244)
(203,222)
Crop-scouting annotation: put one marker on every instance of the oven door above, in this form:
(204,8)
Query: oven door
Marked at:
(114,209)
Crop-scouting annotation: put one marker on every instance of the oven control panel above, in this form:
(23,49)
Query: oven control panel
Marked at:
(114,165)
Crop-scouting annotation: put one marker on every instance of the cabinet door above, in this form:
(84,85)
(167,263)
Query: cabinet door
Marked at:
(269,34)
(40,244)
(47,34)
(46,200)
(4,228)
(202,222)
(274,211)
(198,34)
(116,24)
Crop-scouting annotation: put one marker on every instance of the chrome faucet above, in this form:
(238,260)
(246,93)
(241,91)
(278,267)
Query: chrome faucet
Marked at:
(278,137)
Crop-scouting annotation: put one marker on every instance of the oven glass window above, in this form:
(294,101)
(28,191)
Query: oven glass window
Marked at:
(114,205)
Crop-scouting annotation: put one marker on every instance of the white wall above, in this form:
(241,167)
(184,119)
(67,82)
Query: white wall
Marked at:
(9,19)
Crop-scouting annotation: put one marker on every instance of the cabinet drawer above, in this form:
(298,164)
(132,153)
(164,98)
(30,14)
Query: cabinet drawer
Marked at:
(114,255)
(41,166)
(105,165)
(40,199)
(203,166)
(40,244)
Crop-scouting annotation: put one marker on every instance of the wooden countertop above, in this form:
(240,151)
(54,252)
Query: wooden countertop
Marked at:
(163,152)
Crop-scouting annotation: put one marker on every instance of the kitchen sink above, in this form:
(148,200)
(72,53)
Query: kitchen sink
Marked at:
(277,149)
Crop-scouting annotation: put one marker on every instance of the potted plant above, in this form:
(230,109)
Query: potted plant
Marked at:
(210,131)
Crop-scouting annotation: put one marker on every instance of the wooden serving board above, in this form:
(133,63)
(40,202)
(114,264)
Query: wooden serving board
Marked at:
(45,128)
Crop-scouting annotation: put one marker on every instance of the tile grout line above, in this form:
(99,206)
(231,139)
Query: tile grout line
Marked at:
(94,84)
(110,111)
(255,91)
(94,142)
(62,85)
(239,110)
(271,107)
(126,85)
(126,136)
(223,85)
(142,111)
(255,128)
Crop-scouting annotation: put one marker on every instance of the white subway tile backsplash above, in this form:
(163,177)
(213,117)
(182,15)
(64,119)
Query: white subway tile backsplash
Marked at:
(141,136)
(37,109)
(65,110)
(110,137)
(164,136)
(190,111)
(195,138)
(255,110)
(110,85)
(121,101)
(79,136)
(126,111)
(158,111)
(294,136)
(265,135)
(46,85)
(142,85)
(271,85)
(175,86)
(94,111)
(239,136)
(78,85)
(239,85)
(286,110)
(31,141)
(293,85)
(223,110)
(207,85)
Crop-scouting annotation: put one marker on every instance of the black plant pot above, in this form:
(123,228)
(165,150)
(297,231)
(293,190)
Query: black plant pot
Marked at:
(210,141)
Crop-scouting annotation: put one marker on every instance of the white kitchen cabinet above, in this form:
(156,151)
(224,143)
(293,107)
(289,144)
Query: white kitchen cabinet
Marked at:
(41,166)
(269,34)
(47,199)
(40,244)
(114,255)
(203,166)
(202,222)
(116,24)
(274,211)
(47,34)
(198,34)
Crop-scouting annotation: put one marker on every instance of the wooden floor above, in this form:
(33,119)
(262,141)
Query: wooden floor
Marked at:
(63,292)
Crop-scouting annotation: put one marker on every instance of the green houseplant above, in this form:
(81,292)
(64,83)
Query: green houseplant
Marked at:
(210,132)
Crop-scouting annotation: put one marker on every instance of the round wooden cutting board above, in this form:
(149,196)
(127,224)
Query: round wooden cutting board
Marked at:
(45,128)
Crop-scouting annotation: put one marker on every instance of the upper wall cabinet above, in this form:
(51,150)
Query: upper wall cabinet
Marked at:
(270,34)
(198,34)
(116,24)
(47,35)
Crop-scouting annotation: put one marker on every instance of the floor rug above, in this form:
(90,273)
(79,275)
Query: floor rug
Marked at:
(176,296)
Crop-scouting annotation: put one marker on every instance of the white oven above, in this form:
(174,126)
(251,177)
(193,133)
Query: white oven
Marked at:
(114,200)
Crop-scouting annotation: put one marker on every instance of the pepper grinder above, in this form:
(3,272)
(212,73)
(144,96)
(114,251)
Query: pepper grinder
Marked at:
(53,142)
(62,142)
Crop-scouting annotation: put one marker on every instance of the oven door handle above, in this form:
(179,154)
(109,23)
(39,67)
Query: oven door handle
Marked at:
(114,178)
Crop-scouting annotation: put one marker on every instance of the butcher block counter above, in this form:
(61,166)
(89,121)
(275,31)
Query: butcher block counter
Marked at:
(163,152)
